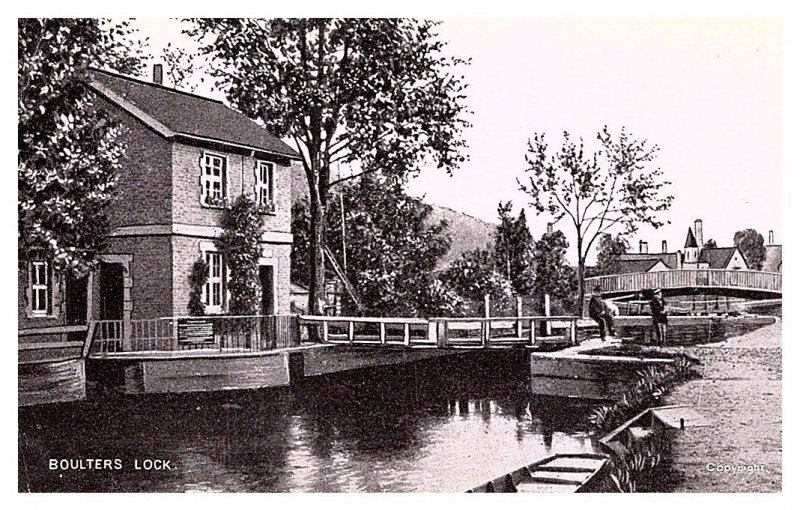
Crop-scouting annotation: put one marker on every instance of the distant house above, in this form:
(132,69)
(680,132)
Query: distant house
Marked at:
(692,256)
(641,265)
(187,158)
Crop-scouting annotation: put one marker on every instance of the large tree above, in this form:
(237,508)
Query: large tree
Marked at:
(609,248)
(751,244)
(378,95)
(513,249)
(391,248)
(617,188)
(68,150)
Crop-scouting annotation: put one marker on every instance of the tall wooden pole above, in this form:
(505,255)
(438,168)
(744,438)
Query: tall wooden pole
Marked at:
(344,234)
(547,325)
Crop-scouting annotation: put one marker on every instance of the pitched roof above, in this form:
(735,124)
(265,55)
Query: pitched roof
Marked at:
(717,258)
(773,258)
(691,241)
(669,259)
(176,113)
(636,266)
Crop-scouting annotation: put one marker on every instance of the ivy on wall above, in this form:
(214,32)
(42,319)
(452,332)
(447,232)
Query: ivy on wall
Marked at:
(240,245)
(197,279)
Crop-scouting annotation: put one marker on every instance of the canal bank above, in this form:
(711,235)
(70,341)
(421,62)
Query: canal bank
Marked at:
(740,393)
(577,372)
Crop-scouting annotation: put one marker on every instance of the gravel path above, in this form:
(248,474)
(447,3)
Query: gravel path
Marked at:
(741,396)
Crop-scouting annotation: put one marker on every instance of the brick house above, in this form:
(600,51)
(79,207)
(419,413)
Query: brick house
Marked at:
(693,256)
(187,157)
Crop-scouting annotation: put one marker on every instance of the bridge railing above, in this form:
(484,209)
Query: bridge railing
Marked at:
(484,332)
(681,278)
(443,332)
(401,331)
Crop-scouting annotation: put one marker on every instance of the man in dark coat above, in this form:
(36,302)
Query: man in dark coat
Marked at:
(658,309)
(600,313)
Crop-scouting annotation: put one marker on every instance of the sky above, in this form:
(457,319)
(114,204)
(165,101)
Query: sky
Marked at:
(707,92)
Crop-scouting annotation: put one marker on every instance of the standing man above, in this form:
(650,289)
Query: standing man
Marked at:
(658,309)
(600,313)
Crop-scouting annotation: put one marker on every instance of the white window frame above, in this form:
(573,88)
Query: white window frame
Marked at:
(214,292)
(265,198)
(37,288)
(208,194)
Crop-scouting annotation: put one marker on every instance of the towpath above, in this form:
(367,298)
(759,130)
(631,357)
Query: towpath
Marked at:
(740,394)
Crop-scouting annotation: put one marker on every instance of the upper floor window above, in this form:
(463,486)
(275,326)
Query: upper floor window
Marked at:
(213,289)
(41,288)
(264,195)
(213,180)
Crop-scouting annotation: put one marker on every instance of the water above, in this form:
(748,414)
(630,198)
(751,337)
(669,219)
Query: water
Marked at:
(438,426)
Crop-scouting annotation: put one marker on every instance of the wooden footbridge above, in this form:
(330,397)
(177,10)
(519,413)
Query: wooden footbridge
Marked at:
(198,336)
(214,353)
(732,283)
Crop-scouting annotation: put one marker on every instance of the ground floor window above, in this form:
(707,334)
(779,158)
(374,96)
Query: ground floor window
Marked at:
(213,291)
(41,288)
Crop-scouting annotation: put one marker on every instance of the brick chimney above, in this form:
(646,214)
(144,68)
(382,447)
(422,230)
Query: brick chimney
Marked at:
(642,246)
(698,232)
(158,74)
(771,237)
(664,246)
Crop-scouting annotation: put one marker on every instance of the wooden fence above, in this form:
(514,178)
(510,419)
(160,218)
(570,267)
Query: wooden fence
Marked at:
(688,278)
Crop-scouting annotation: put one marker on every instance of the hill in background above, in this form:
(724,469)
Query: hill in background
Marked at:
(466,232)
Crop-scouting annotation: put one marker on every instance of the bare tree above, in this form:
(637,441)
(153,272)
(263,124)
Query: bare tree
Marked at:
(617,188)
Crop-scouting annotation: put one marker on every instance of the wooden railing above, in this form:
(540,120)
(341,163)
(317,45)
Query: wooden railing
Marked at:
(69,337)
(487,332)
(688,278)
(443,332)
(370,330)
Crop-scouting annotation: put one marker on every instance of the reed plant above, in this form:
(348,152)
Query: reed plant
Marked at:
(632,465)
(650,385)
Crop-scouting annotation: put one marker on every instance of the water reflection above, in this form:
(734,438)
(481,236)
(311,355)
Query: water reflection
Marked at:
(432,426)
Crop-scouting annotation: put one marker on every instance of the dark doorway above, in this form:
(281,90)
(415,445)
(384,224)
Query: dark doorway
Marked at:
(76,305)
(76,301)
(112,291)
(266,276)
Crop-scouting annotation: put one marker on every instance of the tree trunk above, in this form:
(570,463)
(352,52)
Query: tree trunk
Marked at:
(581,274)
(316,291)
(581,285)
